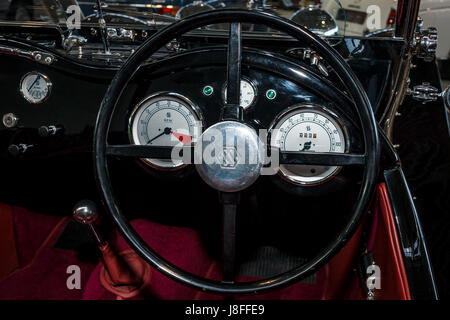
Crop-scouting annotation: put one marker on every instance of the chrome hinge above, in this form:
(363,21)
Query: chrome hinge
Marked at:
(425,42)
(424,93)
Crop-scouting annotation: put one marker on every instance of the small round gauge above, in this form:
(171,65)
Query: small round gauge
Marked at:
(165,119)
(248,93)
(35,87)
(308,129)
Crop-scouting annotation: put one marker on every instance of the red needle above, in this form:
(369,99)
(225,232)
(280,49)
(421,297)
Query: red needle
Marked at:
(182,137)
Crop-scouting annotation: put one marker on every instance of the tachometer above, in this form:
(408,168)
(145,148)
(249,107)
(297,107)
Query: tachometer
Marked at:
(165,119)
(308,129)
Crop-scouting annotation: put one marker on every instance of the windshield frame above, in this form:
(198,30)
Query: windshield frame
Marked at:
(403,28)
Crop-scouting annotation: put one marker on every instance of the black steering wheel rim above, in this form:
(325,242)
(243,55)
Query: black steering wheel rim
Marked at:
(148,48)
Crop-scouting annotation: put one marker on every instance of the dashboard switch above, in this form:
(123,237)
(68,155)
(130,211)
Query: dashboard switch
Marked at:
(10,120)
(17,149)
(46,131)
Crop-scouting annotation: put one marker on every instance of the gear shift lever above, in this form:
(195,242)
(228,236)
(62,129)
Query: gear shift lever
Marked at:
(85,212)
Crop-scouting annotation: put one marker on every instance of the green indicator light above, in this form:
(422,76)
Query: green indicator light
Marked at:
(271,94)
(208,90)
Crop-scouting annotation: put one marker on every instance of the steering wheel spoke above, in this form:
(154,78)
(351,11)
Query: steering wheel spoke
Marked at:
(144,151)
(232,109)
(322,158)
(229,202)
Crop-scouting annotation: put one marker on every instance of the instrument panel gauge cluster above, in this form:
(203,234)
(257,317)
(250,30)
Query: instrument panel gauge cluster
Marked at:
(35,87)
(308,129)
(165,119)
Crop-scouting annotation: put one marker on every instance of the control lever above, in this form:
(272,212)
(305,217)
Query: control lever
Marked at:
(103,29)
(85,212)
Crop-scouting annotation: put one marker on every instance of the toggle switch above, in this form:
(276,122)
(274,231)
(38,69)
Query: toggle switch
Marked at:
(17,149)
(46,131)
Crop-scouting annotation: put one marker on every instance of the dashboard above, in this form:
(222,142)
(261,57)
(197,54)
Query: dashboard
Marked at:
(49,112)
(165,110)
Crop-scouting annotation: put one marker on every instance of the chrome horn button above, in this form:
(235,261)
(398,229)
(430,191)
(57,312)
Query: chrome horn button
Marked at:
(229,156)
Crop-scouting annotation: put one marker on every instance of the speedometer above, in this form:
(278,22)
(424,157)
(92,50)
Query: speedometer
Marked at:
(308,129)
(165,119)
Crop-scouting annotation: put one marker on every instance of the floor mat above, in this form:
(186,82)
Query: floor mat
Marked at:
(54,263)
(269,261)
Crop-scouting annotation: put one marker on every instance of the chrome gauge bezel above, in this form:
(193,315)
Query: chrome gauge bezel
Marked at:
(149,100)
(48,83)
(319,109)
(252,84)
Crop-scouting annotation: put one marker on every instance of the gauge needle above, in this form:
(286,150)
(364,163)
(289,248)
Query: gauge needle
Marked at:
(182,137)
(306,146)
(166,131)
(32,85)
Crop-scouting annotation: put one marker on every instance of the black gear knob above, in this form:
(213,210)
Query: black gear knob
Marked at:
(85,212)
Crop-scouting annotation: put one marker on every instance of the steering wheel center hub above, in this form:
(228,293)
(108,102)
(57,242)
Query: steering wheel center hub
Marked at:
(229,156)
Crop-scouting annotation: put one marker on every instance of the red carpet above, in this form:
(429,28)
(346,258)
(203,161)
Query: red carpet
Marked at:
(183,247)
(43,269)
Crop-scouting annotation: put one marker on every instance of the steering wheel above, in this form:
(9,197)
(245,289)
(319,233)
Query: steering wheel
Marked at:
(230,181)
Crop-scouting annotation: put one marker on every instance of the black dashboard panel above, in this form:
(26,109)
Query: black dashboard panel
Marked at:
(57,170)
(79,86)
(78,89)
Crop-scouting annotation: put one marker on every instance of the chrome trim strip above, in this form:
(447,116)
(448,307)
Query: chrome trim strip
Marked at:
(405,28)
(38,56)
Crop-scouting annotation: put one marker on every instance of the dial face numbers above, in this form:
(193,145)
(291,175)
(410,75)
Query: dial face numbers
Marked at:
(165,120)
(35,87)
(309,130)
(248,93)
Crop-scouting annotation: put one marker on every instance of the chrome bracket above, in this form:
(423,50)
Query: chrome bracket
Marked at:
(425,42)
(120,34)
(74,41)
(38,56)
(174,46)
(424,93)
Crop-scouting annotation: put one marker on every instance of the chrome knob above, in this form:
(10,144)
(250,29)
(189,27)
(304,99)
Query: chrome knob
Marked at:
(18,149)
(85,212)
(10,120)
(45,131)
